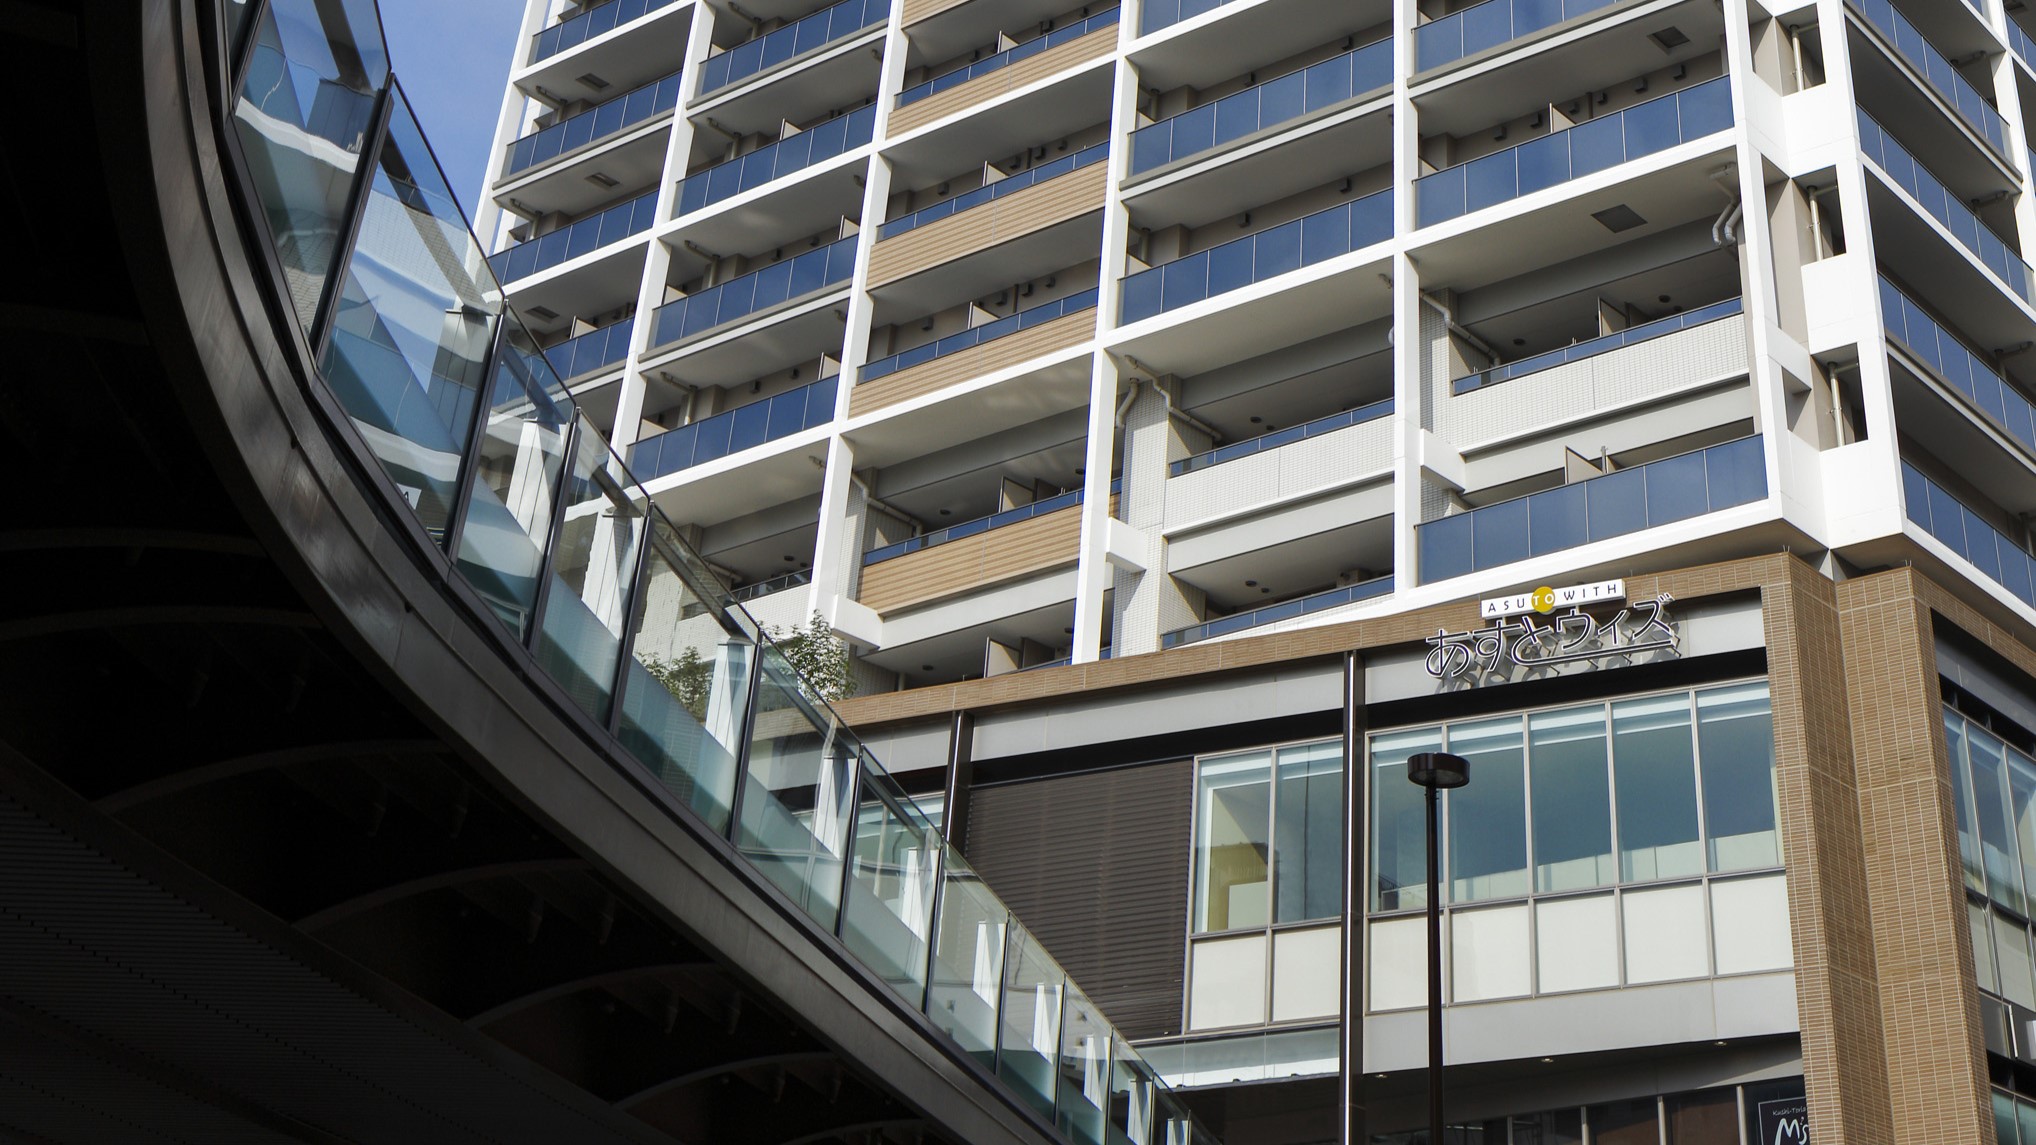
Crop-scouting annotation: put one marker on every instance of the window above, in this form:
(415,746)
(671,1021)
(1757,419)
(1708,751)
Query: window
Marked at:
(1993,785)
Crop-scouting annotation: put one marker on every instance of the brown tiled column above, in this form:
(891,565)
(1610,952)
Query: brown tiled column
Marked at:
(1936,1060)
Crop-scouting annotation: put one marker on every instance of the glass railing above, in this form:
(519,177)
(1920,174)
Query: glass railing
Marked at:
(1279,437)
(1490,24)
(2023,47)
(1931,344)
(1945,517)
(1270,104)
(583,572)
(597,122)
(1633,336)
(589,23)
(1063,661)
(1626,501)
(1005,59)
(1273,613)
(781,282)
(1937,70)
(1009,185)
(1038,508)
(796,39)
(1274,251)
(775,584)
(745,427)
(815,145)
(988,332)
(1944,205)
(1557,158)
(592,351)
(570,242)
(1156,15)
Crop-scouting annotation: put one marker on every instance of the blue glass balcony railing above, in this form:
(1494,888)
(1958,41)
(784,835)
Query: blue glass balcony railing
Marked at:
(1160,14)
(1273,613)
(1005,59)
(1063,661)
(1627,501)
(1944,205)
(1645,332)
(775,584)
(2023,47)
(815,145)
(1038,508)
(593,351)
(1945,517)
(1930,343)
(1490,24)
(745,427)
(1274,251)
(570,242)
(590,22)
(794,278)
(988,332)
(1937,70)
(1339,79)
(597,122)
(1560,156)
(1009,185)
(796,39)
(1279,437)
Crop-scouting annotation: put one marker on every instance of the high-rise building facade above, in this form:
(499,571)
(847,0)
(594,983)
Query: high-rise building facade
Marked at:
(1187,410)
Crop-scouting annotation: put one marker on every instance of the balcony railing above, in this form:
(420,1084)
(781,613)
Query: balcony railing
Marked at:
(589,23)
(1945,517)
(1273,613)
(1627,501)
(976,336)
(595,350)
(1009,185)
(1038,508)
(1944,205)
(570,242)
(597,122)
(1937,70)
(1274,251)
(1934,346)
(1005,59)
(1557,158)
(807,35)
(1645,332)
(781,282)
(1268,105)
(1489,25)
(808,148)
(775,584)
(745,427)
(1279,437)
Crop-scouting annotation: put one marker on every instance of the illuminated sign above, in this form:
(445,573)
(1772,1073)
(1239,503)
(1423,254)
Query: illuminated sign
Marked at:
(1542,641)
(1545,600)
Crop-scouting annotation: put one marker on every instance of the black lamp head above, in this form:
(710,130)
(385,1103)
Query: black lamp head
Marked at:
(1438,769)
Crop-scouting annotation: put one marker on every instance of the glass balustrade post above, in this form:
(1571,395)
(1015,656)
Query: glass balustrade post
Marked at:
(356,207)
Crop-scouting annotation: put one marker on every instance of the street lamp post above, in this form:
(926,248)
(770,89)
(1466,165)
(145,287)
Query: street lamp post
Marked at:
(1432,771)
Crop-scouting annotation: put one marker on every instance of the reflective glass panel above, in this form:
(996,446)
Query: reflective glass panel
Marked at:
(1029,1034)
(1990,811)
(1233,815)
(1961,801)
(968,961)
(894,864)
(593,573)
(796,792)
(1572,799)
(1488,818)
(1084,1065)
(1308,834)
(1399,824)
(1735,741)
(1654,776)
(507,519)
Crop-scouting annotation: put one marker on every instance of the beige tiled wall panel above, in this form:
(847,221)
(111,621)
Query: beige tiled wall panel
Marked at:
(963,566)
(1059,334)
(979,228)
(1708,353)
(987,87)
(917,10)
(1279,474)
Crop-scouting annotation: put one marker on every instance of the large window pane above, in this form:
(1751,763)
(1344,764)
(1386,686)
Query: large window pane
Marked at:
(796,792)
(1399,828)
(1488,954)
(1029,1034)
(1634,1122)
(896,858)
(1488,818)
(1707,1117)
(1654,772)
(1308,837)
(593,572)
(1572,799)
(968,961)
(1227,982)
(2011,955)
(1577,943)
(1556,1127)
(1961,800)
(1233,816)
(1990,811)
(2022,804)
(1735,739)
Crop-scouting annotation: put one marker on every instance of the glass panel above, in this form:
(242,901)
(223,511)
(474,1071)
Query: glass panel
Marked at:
(1499,533)
(1445,548)
(1664,929)
(593,573)
(1398,967)
(2022,805)
(1133,1087)
(1572,799)
(1399,825)
(1227,982)
(1654,771)
(2011,951)
(2025,1112)
(1488,954)
(1984,971)
(1558,519)
(1735,736)
(1556,1127)
(1084,1071)
(1307,973)
(1961,801)
(1577,942)
(507,517)
(796,792)
(1990,809)
(2005,1130)
(1750,925)
(1675,489)
(889,913)
(1707,1117)
(1232,823)
(968,961)
(1634,1122)
(1029,1034)
(1308,833)
(1487,820)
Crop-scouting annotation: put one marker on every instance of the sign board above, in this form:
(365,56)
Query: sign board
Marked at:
(1523,644)
(1545,600)
(1785,1122)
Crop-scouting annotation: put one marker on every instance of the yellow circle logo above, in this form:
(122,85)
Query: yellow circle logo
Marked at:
(1544,599)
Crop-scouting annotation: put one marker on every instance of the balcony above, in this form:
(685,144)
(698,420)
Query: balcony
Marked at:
(1946,206)
(589,23)
(570,242)
(1268,254)
(1937,71)
(592,352)
(808,148)
(992,76)
(1583,351)
(1559,157)
(1309,605)
(1613,505)
(758,292)
(1001,547)
(745,427)
(1280,437)
(1161,14)
(1010,185)
(593,125)
(1495,23)
(1269,106)
(1043,223)
(2023,47)
(975,352)
(1969,535)
(793,41)
(1948,358)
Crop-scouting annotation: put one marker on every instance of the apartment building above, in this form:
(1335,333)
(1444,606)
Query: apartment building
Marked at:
(1180,408)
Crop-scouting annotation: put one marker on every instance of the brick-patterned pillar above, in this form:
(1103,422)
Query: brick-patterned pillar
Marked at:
(1936,1059)
(1837,991)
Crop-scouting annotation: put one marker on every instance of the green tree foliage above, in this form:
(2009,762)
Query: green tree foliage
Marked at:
(820,657)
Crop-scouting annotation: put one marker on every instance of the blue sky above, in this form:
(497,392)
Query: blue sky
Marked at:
(453,58)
